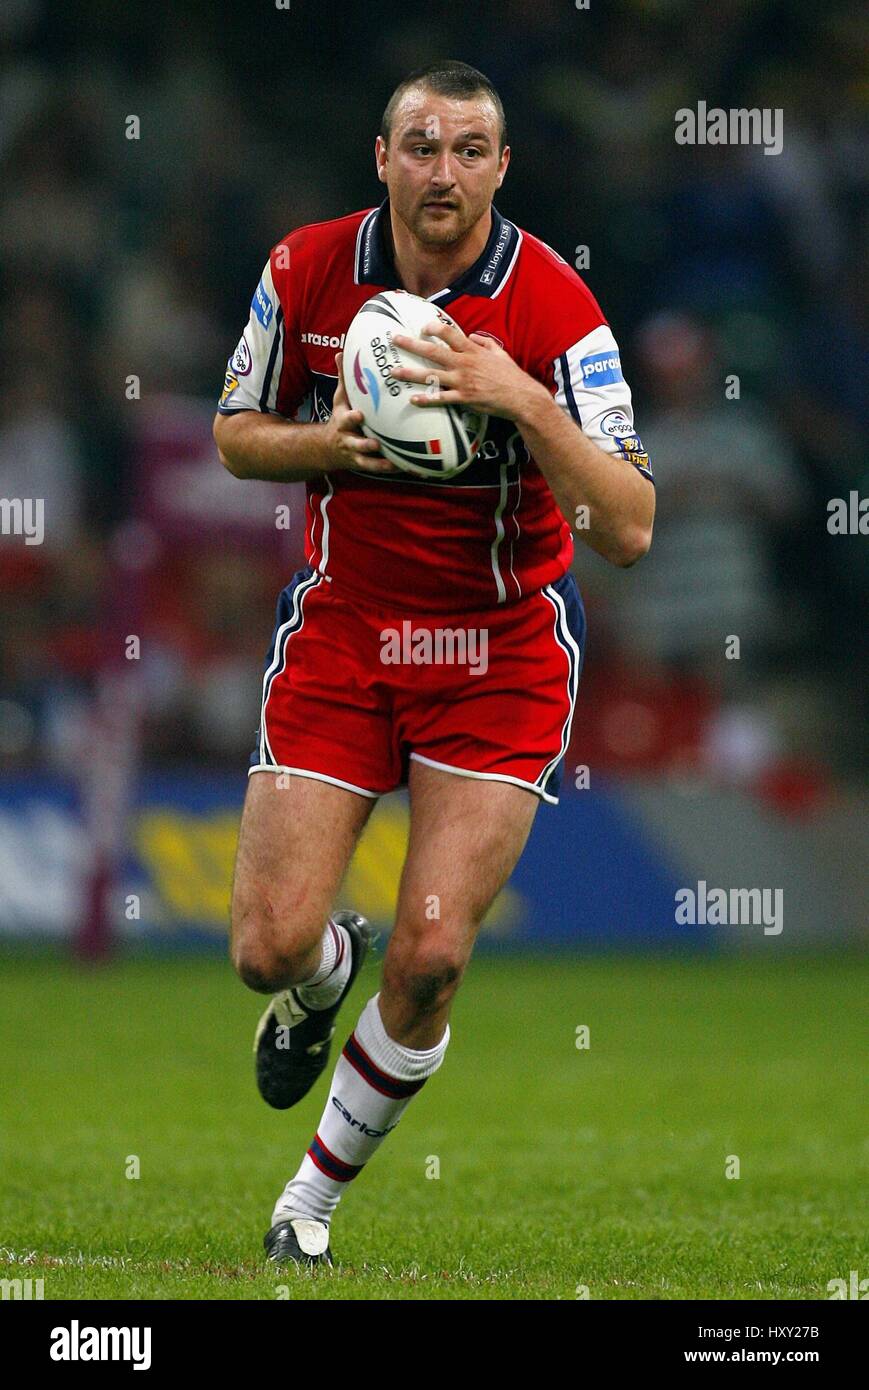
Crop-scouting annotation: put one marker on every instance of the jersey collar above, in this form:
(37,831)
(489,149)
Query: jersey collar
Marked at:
(485,278)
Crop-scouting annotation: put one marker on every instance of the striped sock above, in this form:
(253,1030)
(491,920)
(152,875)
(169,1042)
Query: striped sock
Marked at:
(373,1083)
(324,987)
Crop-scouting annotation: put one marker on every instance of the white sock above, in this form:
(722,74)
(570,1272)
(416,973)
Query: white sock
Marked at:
(375,1079)
(324,987)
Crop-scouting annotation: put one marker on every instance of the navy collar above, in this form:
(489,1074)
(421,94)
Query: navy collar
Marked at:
(486,277)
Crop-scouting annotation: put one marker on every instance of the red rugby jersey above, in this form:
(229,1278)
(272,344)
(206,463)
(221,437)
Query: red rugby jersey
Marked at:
(494,533)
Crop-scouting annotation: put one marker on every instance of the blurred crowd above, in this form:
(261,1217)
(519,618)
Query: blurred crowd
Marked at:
(732,281)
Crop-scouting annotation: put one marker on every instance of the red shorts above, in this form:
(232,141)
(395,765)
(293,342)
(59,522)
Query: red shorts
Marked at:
(350,692)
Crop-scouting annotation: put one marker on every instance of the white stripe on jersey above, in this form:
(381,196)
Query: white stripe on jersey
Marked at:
(324,537)
(499,534)
(514,519)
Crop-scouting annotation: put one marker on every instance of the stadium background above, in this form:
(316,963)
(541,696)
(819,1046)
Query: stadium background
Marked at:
(120,259)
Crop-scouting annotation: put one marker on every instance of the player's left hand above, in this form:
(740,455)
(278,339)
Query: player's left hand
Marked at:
(472,371)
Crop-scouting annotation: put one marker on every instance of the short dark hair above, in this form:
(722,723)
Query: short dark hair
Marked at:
(449,78)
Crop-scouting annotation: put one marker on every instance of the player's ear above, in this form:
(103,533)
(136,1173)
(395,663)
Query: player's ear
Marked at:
(380,158)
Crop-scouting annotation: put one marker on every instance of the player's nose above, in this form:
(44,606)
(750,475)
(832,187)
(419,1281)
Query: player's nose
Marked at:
(442,173)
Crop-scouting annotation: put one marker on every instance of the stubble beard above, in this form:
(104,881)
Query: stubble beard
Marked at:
(430,232)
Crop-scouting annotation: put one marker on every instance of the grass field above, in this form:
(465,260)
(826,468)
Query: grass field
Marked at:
(559,1167)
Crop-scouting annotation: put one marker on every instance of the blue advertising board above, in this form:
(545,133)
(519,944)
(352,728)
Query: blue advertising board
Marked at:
(592,873)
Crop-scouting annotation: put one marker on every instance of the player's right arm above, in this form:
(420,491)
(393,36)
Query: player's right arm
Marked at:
(254,439)
(252,444)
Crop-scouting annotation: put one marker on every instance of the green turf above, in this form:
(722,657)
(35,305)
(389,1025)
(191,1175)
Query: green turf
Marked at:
(559,1167)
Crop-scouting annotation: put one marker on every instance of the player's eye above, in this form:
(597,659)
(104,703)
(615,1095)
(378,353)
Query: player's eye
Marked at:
(472,149)
(417,148)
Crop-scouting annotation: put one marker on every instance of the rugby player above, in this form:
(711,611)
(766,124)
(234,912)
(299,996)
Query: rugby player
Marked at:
(489,551)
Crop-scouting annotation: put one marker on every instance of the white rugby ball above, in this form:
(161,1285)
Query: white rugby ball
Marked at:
(434,441)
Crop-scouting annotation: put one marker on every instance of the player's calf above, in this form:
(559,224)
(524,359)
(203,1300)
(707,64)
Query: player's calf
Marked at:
(374,1081)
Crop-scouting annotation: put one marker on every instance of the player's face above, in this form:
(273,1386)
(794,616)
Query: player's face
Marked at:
(442,166)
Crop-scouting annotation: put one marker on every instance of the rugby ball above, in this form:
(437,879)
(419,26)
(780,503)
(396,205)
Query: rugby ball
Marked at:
(434,442)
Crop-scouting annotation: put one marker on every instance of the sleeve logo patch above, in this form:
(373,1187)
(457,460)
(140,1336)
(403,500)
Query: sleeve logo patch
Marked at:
(601,369)
(230,386)
(616,423)
(631,448)
(240,361)
(262,305)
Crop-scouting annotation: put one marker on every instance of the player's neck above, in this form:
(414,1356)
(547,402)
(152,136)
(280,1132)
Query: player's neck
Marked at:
(424,270)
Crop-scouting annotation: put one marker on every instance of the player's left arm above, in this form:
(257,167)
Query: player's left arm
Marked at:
(476,372)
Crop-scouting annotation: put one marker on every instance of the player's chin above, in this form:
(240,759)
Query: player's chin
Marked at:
(439,228)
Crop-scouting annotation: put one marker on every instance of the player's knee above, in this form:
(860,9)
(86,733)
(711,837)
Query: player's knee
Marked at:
(249,973)
(264,959)
(426,979)
(259,969)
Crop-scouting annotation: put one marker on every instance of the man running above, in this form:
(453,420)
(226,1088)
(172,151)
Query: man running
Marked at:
(488,551)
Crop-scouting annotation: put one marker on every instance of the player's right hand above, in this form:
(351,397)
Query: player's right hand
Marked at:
(347,446)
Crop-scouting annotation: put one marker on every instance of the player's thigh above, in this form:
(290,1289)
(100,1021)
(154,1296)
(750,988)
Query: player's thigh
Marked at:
(466,836)
(296,838)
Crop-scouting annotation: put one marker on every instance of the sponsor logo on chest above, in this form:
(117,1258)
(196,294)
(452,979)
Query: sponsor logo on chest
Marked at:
(330,340)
